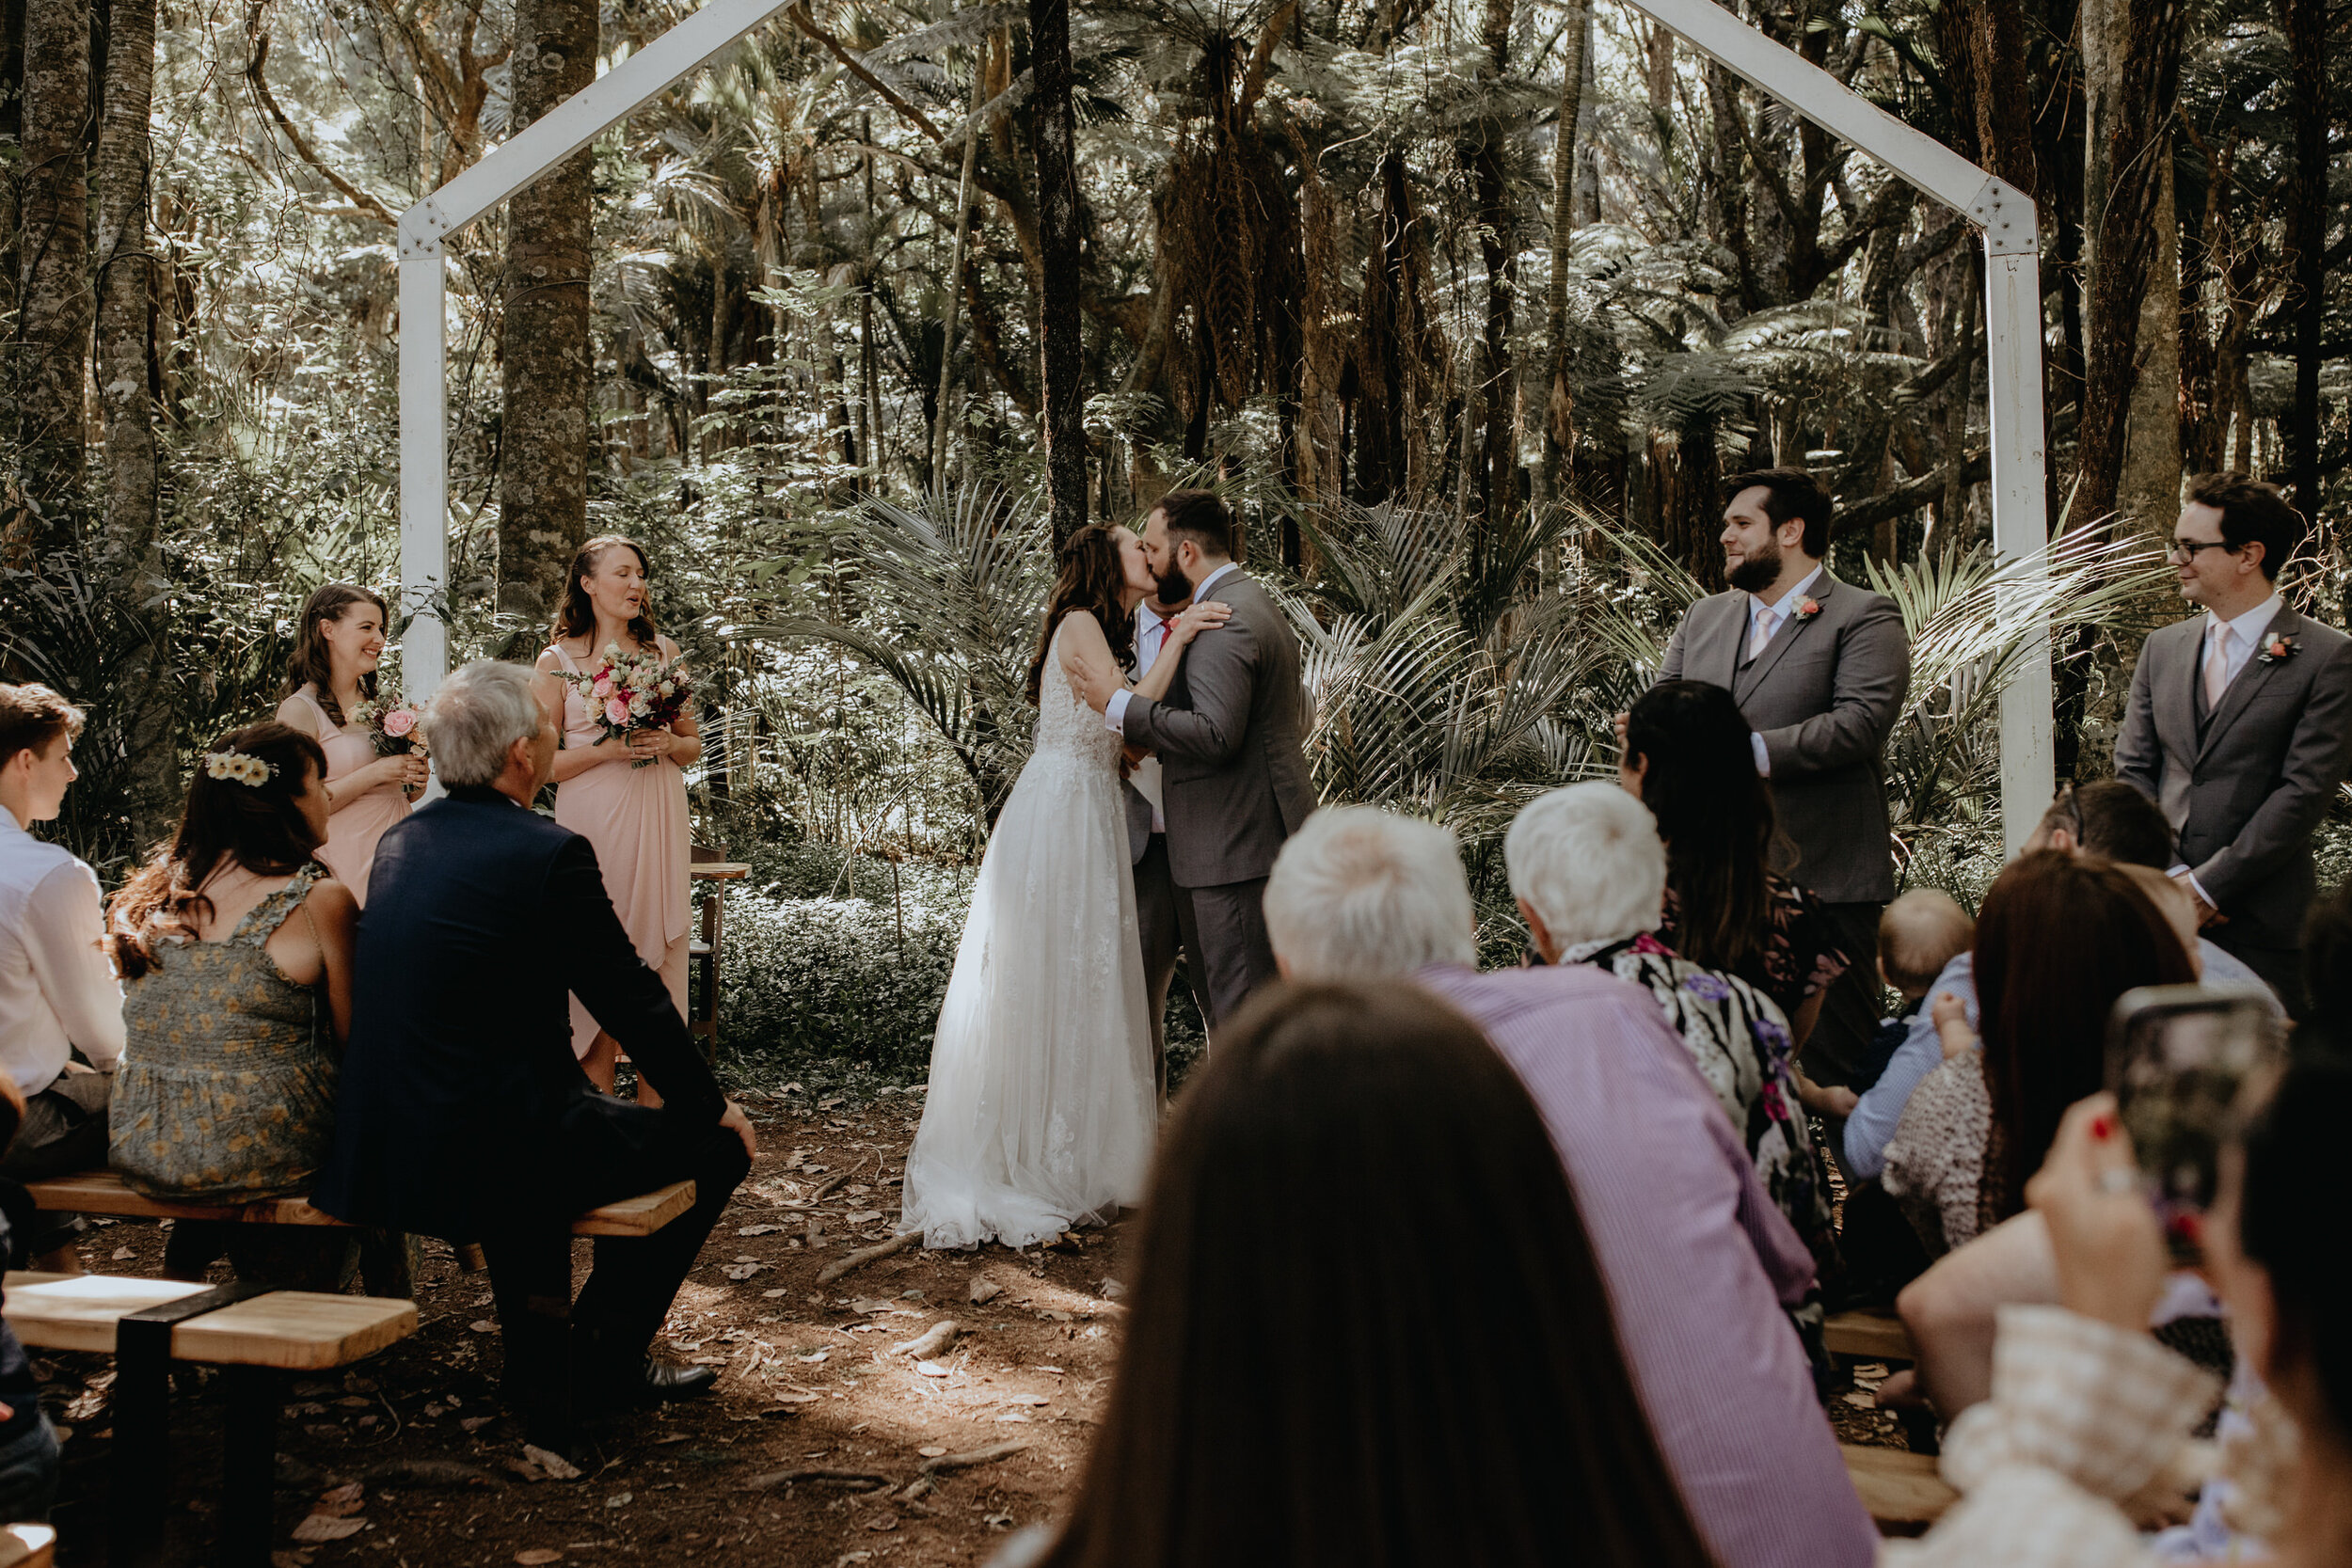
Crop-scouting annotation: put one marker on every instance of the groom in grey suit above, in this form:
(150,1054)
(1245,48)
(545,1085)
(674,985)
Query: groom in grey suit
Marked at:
(1820,667)
(1233,776)
(2240,726)
(1147,851)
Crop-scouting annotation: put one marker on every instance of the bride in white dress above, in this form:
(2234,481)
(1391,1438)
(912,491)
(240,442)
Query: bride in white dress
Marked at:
(1042,1109)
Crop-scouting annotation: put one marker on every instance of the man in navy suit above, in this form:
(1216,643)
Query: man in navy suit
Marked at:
(461,1111)
(2240,726)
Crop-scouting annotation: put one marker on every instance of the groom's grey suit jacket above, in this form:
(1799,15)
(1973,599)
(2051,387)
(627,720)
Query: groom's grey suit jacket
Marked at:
(1229,734)
(1824,693)
(2246,788)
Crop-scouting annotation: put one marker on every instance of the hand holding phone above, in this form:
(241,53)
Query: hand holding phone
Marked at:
(2179,1058)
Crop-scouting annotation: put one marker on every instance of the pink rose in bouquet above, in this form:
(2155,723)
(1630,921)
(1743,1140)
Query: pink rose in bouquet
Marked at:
(399,724)
(390,723)
(628,692)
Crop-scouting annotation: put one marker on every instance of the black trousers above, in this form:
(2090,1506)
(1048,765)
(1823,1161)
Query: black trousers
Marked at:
(1159,924)
(551,1340)
(64,1133)
(1838,1050)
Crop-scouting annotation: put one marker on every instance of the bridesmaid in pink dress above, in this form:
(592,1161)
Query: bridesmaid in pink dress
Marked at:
(634,816)
(333,671)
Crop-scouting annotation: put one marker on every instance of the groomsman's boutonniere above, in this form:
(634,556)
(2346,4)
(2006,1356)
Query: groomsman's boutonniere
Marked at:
(2276,650)
(1808,608)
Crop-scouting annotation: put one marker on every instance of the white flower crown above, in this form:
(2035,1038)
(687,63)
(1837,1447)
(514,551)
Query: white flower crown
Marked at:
(240,767)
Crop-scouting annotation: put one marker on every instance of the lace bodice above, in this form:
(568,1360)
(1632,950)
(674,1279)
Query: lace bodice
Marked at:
(1067,727)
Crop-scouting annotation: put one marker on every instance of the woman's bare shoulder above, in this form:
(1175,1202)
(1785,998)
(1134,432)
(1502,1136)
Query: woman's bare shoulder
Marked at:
(295,712)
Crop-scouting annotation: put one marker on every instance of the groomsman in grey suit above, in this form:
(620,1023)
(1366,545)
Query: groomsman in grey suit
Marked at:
(1234,779)
(1146,850)
(2240,726)
(1819,667)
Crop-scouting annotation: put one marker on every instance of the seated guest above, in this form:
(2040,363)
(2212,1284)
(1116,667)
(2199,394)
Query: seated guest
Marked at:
(1590,875)
(235,948)
(2109,819)
(28,1444)
(1698,1263)
(463,1112)
(56,993)
(1690,756)
(1920,933)
(2060,938)
(1379,1431)
(2086,1409)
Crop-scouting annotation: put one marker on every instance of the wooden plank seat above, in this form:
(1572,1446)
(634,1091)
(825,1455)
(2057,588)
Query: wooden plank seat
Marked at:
(103,1192)
(1868,1336)
(252,1333)
(1902,1490)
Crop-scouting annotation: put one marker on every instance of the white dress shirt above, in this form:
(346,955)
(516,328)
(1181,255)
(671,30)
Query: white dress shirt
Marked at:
(2239,638)
(1115,712)
(1765,622)
(57,987)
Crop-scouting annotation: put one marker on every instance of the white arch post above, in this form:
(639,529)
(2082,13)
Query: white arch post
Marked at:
(2012,307)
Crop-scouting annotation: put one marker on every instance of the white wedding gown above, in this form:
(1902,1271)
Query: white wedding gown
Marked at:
(1042,1110)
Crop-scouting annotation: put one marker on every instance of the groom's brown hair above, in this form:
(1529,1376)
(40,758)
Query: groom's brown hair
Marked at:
(1201,516)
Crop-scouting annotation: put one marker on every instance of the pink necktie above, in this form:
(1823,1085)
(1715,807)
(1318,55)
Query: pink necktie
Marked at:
(2217,668)
(1765,621)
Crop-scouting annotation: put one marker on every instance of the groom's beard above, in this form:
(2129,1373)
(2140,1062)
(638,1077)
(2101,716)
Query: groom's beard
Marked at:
(1174,586)
(1756,572)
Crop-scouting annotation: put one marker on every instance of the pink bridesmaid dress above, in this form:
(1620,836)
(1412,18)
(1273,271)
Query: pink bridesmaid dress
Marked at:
(635,817)
(349,851)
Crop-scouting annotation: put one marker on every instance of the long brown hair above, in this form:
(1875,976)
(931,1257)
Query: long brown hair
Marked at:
(1092,578)
(1306,1393)
(257,825)
(576,615)
(310,665)
(1715,813)
(2060,937)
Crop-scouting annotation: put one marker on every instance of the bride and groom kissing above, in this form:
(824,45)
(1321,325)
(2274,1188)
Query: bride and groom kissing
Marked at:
(1168,771)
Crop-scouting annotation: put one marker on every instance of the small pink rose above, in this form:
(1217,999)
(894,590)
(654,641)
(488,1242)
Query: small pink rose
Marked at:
(399,722)
(616,710)
(603,688)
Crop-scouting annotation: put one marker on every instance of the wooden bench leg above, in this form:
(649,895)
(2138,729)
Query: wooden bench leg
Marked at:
(250,1467)
(142,1452)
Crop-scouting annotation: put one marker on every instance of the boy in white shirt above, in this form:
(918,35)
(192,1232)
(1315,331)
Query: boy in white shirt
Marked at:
(58,989)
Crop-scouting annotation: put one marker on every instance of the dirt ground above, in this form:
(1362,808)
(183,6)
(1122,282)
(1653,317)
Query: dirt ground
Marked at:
(810,1382)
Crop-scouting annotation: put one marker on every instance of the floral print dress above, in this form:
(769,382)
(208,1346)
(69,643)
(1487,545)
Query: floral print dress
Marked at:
(1800,957)
(1739,1039)
(227,1087)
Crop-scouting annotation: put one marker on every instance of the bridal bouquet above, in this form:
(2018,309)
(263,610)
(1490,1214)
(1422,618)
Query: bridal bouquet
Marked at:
(627,692)
(390,723)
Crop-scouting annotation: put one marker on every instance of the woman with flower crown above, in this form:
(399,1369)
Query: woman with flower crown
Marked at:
(332,673)
(235,948)
(624,794)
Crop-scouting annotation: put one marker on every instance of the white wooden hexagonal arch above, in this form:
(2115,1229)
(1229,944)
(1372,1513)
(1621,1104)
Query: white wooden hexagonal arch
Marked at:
(2003,214)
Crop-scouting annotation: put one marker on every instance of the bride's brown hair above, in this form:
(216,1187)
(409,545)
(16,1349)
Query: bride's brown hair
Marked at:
(1093,580)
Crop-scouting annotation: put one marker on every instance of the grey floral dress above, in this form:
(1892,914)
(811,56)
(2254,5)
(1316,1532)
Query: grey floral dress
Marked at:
(227,1087)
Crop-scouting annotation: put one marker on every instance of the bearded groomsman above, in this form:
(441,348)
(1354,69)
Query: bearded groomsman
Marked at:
(1820,667)
(2240,726)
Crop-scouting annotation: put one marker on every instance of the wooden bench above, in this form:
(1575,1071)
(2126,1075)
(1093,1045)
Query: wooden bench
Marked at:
(1902,1490)
(1868,1337)
(102,1192)
(251,1332)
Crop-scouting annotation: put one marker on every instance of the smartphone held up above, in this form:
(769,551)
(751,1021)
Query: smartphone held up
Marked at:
(2178,1060)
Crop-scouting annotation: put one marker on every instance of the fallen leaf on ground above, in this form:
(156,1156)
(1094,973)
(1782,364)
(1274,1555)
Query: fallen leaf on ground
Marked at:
(484,1325)
(812,1360)
(932,1451)
(759,1230)
(984,1289)
(780,1290)
(1112,1289)
(619,1500)
(864,1216)
(882,1522)
(552,1462)
(322,1527)
(342,1500)
(930,1368)
(120,1253)
(742,1271)
(475,1423)
(537,1556)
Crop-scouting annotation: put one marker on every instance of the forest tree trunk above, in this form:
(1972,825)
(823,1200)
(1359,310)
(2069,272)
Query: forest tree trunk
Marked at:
(548,368)
(2132,58)
(54,286)
(1059,320)
(1496,465)
(2307,238)
(1575,41)
(126,291)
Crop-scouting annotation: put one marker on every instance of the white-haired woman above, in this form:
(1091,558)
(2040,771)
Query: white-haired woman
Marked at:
(1589,873)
